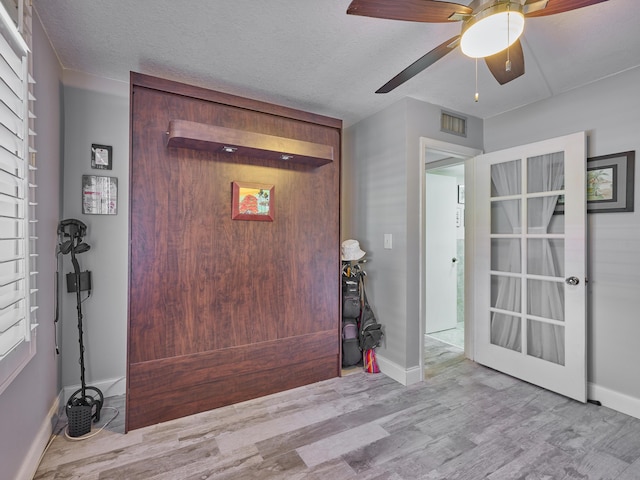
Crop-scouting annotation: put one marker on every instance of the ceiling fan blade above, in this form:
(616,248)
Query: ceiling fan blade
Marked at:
(419,65)
(560,6)
(410,10)
(497,62)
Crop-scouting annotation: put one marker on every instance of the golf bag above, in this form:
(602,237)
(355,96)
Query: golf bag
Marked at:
(351,353)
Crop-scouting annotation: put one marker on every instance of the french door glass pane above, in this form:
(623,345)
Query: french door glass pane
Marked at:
(545,341)
(541,217)
(545,256)
(505,217)
(506,178)
(506,331)
(545,173)
(546,299)
(505,255)
(556,224)
(506,293)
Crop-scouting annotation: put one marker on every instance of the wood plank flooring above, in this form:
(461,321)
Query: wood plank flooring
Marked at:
(464,422)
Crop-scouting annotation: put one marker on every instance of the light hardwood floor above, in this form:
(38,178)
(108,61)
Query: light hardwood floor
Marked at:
(464,422)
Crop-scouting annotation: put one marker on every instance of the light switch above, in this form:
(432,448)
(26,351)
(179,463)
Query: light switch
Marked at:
(388,241)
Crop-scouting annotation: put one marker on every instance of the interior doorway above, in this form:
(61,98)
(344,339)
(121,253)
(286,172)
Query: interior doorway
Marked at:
(436,154)
(444,248)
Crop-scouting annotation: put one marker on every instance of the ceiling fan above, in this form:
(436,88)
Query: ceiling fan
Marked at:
(490,29)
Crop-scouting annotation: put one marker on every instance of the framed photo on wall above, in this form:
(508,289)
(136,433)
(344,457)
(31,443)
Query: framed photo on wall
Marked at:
(610,184)
(252,201)
(610,180)
(101,156)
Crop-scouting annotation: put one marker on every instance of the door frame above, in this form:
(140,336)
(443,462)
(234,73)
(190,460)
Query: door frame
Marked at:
(460,154)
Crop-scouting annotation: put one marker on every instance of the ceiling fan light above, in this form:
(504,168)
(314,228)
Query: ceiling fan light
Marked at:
(492,30)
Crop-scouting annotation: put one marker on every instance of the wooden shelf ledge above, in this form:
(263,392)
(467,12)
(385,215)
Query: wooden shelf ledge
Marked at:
(230,141)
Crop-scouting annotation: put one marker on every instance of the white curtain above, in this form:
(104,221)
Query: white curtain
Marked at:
(505,329)
(544,298)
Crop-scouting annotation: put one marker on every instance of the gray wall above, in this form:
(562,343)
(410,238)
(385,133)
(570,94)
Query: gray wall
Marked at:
(101,117)
(25,405)
(382,165)
(375,154)
(608,111)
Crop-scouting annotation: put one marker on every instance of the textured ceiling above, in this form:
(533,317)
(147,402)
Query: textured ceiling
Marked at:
(310,55)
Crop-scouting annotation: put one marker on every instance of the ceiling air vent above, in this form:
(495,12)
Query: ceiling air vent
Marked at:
(453,124)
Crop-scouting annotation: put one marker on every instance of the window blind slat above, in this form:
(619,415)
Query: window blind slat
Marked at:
(10,185)
(9,279)
(12,59)
(10,99)
(11,207)
(11,121)
(7,260)
(11,299)
(10,339)
(9,318)
(11,164)
(9,141)
(11,78)
(11,228)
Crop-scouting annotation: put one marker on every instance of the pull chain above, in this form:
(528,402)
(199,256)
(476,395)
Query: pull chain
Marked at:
(507,65)
(477,94)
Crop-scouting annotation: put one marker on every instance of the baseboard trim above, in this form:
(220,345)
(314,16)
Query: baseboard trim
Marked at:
(32,459)
(614,400)
(399,374)
(109,388)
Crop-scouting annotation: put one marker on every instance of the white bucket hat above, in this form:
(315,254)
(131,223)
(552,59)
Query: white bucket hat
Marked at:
(351,251)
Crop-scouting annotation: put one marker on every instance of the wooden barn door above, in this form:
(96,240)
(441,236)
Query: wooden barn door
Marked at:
(224,310)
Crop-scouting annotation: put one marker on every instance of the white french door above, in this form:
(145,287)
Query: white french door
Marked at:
(530,263)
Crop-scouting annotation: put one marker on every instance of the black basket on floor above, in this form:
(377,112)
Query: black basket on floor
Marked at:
(79,418)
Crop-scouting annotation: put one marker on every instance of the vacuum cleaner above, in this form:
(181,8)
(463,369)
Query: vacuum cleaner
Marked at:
(81,407)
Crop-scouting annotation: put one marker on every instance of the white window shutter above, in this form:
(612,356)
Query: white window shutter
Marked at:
(18,252)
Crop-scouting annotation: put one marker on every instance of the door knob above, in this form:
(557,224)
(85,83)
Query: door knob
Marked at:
(454,260)
(572,281)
